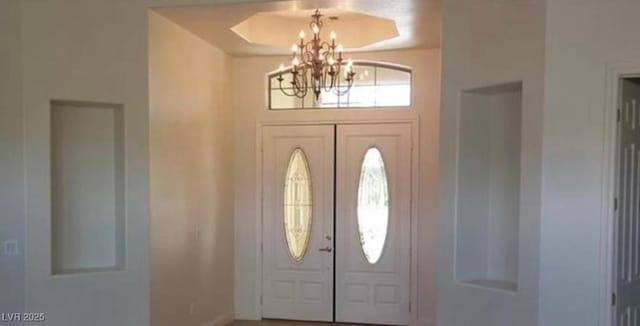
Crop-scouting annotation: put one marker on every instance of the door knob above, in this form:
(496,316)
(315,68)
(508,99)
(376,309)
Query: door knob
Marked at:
(327,249)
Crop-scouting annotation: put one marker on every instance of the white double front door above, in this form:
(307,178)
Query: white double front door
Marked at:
(336,206)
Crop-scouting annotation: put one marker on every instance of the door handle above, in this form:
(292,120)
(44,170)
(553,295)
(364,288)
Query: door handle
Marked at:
(326,249)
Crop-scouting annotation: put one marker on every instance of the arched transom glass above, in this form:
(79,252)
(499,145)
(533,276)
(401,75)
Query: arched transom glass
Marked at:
(375,85)
(373,205)
(298,205)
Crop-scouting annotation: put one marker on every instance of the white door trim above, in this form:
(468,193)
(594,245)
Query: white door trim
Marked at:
(609,173)
(415,177)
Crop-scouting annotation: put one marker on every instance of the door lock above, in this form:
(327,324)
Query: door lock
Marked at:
(327,249)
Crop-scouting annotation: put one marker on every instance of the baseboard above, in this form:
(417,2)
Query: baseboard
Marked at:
(220,321)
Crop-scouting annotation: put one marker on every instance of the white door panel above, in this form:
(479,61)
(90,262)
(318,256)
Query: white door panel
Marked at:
(379,292)
(628,219)
(299,290)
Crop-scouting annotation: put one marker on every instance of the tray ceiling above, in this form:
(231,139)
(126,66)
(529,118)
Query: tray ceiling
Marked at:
(417,24)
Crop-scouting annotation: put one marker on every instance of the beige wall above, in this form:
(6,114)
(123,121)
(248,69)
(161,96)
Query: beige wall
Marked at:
(88,51)
(492,42)
(191,144)
(12,213)
(584,40)
(250,101)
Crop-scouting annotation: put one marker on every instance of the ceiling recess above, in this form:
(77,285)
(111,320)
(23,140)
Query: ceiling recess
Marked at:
(279,28)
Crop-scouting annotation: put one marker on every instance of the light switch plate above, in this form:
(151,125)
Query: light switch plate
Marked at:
(10,248)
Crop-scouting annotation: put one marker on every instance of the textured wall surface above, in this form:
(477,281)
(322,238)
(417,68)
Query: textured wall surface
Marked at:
(91,51)
(191,169)
(485,43)
(12,200)
(584,40)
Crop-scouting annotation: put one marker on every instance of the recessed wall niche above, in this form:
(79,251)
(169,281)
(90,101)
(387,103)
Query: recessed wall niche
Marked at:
(488,203)
(87,187)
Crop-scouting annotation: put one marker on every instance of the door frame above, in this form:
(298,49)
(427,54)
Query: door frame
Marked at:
(415,188)
(615,73)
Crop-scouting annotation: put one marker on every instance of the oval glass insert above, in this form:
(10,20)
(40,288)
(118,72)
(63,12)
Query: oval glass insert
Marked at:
(297,205)
(373,205)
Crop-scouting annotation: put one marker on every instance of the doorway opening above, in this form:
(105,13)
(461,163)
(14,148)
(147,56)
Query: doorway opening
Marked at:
(625,300)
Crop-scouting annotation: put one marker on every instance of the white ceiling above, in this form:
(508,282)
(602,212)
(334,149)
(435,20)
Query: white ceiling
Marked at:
(417,21)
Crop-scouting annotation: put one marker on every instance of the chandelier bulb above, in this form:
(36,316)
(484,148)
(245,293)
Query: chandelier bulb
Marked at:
(281,69)
(316,29)
(295,61)
(340,48)
(333,35)
(302,35)
(294,49)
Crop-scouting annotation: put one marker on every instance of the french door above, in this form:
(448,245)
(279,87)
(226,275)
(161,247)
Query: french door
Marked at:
(373,223)
(336,205)
(297,208)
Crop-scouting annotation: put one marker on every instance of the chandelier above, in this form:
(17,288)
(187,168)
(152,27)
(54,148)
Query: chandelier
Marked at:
(317,65)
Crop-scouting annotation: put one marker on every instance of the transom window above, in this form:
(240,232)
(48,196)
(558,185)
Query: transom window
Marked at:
(377,85)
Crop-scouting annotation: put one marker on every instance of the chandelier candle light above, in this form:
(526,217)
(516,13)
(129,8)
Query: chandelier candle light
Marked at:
(317,65)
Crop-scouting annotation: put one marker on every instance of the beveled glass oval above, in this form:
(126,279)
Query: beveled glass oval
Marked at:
(373,205)
(298,205)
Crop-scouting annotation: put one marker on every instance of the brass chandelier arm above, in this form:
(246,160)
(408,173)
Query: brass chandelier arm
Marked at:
(283,90)
(334,75)
(344,92)
(298,85)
